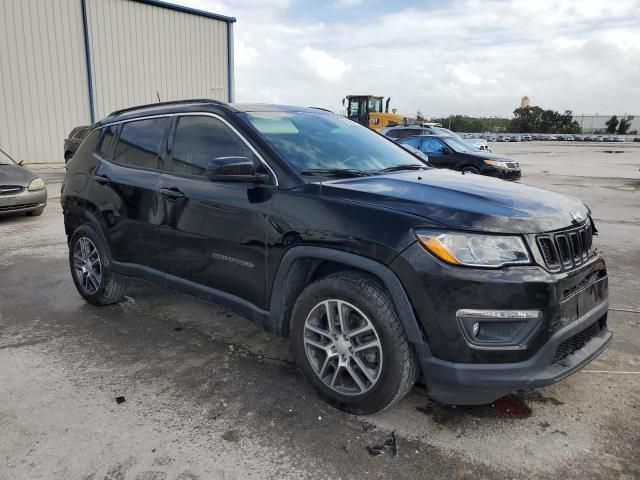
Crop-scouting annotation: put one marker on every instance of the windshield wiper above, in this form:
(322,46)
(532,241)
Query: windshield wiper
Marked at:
(407,166)
(345,172)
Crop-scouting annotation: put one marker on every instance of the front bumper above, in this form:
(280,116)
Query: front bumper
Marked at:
(25,201)
(477,384)
(458,371)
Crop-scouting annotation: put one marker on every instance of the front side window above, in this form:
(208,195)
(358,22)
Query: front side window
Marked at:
(308,140)
(141,143)
(110,133)
(432,147)
(201,139)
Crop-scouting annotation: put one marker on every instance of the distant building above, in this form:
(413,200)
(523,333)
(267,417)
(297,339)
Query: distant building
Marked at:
(65,63)
(524,102)
(596,123)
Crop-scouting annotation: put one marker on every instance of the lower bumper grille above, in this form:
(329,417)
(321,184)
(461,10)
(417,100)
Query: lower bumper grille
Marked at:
(578,341)
(18,207)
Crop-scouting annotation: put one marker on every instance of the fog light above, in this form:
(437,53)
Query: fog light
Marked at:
(498,328)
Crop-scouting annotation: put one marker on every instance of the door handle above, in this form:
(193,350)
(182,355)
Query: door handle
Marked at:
(101,179)
(171,193)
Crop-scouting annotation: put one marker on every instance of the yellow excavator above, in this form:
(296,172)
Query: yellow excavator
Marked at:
(367,111)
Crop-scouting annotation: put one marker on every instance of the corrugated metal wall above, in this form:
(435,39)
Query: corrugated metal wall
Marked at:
(140,50)
(137,51)
(43,77)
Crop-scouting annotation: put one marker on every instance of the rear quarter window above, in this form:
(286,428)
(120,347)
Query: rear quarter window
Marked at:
(104,147)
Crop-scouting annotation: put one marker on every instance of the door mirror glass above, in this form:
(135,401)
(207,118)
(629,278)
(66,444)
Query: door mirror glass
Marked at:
(233,169)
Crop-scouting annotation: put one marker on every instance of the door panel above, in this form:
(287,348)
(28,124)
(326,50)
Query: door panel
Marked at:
(212,233)
(125,189)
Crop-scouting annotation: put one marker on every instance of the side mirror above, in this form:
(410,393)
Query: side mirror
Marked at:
(234,169)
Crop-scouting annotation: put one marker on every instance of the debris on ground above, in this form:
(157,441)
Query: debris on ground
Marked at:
(512,405)
(178,329)
(367,427)
(389,445)
(231,436)
(120,400)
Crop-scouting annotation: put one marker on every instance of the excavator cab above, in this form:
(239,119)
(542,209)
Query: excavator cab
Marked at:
(367,111)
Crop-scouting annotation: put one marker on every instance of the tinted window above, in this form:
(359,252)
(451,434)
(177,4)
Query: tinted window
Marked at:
(107,141)
(140,143)
(432,147)
(199,140)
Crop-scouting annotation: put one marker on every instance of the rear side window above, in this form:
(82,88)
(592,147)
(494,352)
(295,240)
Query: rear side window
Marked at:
(107,141)
(140,143)
(412,141)
(200,139)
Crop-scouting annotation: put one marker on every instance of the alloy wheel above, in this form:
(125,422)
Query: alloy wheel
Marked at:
(343,347)
(87,266)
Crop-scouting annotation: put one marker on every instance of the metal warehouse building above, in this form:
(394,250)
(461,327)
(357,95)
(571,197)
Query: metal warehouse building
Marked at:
(65,63)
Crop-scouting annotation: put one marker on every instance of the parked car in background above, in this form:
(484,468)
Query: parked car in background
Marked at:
(414,151)
(73,141)
(480,143)
(378,269)
(526,137)
(501,138)
(456,154)
(403,131)
(21,190)
(636,139)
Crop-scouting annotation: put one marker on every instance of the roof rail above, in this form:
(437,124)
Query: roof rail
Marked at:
(161,104)
(323,109)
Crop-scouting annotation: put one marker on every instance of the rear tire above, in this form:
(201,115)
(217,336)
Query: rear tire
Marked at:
(359,373)
(90,265)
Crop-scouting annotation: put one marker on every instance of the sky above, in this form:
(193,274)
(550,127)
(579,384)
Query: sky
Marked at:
(467,57)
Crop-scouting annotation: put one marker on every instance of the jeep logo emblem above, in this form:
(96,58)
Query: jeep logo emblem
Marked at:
(576,217)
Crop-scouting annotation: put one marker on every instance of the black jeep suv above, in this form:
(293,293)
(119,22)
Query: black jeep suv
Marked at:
(378,268)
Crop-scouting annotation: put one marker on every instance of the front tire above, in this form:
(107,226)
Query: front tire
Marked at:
(471,170)
(348,341)
(90,265)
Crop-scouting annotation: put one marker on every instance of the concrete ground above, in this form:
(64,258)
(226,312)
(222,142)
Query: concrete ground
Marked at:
(208,395)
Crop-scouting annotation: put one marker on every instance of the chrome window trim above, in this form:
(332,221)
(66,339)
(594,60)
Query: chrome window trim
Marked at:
(201,114)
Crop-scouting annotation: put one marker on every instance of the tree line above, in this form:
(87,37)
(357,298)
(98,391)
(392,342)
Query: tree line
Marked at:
(531,119)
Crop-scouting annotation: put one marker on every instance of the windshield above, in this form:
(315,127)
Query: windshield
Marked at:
(320,141)
(459,145)
(4,159)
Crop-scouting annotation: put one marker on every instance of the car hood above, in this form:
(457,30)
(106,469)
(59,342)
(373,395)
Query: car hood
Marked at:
(15,175)
(489,156)
(464,201)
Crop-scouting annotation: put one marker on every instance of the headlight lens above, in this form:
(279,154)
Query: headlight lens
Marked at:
(36,184)
(476,250)
(495,163)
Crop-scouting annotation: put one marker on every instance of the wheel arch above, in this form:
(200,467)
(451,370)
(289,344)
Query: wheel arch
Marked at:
(302,265)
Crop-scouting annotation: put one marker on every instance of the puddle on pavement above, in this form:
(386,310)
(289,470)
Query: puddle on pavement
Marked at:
(516,405)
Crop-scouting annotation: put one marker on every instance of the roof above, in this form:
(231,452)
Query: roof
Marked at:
(193,11)
(269,107)
(177,106)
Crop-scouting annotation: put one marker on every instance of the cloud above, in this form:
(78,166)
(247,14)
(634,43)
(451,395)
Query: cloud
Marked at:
(463,56)
(326,66)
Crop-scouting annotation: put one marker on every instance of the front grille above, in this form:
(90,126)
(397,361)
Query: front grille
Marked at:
(512,164)
(17,207)
(10,189)
(578,341)
(566,249)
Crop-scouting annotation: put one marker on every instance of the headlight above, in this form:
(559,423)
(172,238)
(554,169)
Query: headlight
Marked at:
(495,163)
(476,250)
(36,184)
